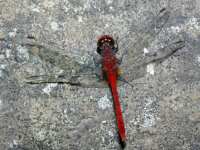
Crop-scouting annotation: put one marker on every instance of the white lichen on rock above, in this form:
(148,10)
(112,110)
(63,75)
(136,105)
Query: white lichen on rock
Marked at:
(8,53)
(145,51)
(198,59)
(150,69)
(108,2)
(149,118)
(35,8)
(48,4)
(54,26)
(13,33)
(104,103)
(22,53)
(191,26)
(49,88)
(2,68)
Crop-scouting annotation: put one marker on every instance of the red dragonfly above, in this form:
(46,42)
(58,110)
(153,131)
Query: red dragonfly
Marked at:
(74,73)
(106,48)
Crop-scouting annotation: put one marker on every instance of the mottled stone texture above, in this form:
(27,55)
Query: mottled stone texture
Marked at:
(161,111)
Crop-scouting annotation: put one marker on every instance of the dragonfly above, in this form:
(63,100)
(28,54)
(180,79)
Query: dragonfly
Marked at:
(133,60)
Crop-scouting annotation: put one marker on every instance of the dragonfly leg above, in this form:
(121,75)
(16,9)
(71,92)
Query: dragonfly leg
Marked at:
(120,60)
(115,48)
(98,69)
(120,78)
(97,62)
(100,75)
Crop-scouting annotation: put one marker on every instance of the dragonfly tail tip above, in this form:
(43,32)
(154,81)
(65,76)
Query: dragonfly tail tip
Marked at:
(122,142)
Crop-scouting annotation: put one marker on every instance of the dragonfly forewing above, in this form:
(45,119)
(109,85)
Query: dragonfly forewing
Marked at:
(59,67)
(136,60)
(144,37)
(52,55)
(137,71)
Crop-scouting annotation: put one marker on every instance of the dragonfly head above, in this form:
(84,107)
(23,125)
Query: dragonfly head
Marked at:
(105,41)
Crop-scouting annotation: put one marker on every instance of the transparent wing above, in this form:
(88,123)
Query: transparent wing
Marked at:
(80,75)
(137,71)
(143,37)
(135,61)
(56,67)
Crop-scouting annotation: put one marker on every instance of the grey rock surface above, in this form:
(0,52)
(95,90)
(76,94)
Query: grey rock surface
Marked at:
(57,38)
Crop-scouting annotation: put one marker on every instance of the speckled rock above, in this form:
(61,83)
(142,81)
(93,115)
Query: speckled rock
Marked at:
(51,38)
